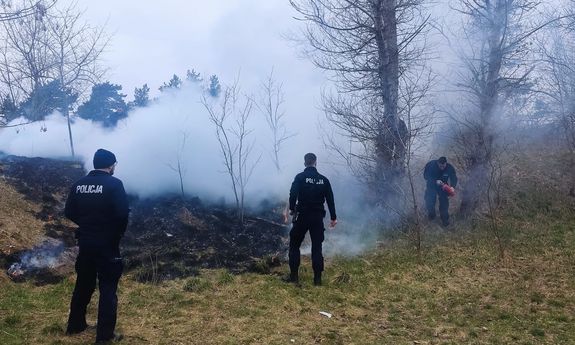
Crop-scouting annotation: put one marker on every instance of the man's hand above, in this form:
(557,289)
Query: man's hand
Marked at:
(332,223)
(287,215)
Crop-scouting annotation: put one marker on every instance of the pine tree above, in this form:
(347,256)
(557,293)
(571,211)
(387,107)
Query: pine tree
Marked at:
(174,83)
(8,110)
(214,88)
(45,99)
(141,96)
(106,105)
(193,76)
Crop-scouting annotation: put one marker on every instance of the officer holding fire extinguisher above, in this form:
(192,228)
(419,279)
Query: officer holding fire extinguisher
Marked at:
(441,180)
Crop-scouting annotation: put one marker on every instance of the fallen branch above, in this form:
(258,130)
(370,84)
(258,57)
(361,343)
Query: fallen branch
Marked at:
(270,221)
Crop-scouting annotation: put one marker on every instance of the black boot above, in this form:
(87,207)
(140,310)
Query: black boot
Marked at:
(317,279)
(291,278)
(75,330)
(115,338)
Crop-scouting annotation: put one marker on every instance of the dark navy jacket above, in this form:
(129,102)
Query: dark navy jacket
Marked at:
(432,173)
(98,204)
(311,190)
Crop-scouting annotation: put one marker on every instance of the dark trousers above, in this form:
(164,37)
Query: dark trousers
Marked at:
(105,266)
(314,223)
(431,196)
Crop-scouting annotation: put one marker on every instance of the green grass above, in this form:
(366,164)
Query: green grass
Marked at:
(457,292)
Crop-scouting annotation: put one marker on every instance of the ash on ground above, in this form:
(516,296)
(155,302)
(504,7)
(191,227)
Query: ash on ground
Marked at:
(47,263)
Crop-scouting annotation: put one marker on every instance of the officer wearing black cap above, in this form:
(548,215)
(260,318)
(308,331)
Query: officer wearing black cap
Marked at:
(310,189)
(98,204)
(435,171)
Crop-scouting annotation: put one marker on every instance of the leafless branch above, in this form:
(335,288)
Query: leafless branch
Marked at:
(230,118)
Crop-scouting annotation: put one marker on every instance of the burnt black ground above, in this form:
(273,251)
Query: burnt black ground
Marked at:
(167,237)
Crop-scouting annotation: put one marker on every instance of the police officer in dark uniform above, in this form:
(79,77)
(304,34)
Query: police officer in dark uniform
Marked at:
(98,204)
(310,190)
(435,171)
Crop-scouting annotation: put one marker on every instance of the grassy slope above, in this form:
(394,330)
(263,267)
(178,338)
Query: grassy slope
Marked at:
(458,292)
(19,229)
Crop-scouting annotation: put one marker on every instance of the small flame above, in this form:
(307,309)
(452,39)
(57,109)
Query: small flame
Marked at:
(15,270)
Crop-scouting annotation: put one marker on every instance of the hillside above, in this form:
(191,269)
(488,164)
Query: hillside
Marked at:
(167,237)
(458,291)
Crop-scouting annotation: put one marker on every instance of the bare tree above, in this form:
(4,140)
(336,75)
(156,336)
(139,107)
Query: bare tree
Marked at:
(558,82)
(497,71)
(57,46)
(75,49)
(179,167)
(494,203)
(230,118)
(11,11)
(25,56)
(419,117)
(271,104)
(368,46)
(23,65)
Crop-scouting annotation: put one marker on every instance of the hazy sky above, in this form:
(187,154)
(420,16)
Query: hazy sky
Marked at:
(153,40)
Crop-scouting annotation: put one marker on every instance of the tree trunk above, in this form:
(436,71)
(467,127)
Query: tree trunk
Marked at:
(392,134)
(67,112)
(479,156)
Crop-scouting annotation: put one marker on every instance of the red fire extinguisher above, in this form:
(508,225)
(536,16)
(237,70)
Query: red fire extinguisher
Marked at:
(446,188)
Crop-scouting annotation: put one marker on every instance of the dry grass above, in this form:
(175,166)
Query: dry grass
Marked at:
(186,217)
(19,229)
(458,294)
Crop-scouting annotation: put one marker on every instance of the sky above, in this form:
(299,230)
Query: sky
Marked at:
(151,42)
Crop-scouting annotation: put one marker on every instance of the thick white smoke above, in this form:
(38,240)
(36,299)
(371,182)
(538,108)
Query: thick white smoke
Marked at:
(150,141)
